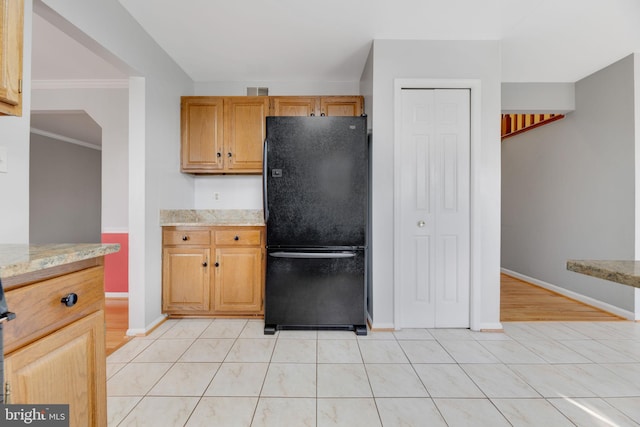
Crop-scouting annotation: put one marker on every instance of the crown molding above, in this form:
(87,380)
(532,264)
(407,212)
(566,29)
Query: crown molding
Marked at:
(81,84)
(65,139)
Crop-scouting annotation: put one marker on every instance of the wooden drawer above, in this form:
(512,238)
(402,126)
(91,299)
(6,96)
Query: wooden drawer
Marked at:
(238,237)
(39,310)
(186,237)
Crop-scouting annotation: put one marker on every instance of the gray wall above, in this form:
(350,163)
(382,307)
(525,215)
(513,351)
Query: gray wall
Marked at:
(65,195)
(568,188)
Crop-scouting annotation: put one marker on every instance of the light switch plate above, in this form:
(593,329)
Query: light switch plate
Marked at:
(3,159)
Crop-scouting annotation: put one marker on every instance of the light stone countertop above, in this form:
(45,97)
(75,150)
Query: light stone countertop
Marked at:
(623,272)
(16,259)
(206,217)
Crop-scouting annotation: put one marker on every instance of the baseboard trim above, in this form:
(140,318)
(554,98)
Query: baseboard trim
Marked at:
(138,332)
(573,295)
(379,327)
(491,327)
(119,295)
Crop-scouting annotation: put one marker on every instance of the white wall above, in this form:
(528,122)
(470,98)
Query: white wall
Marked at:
(568,188)
(14,135)
(366,90)
(228,192)
(636,98)
(109,109)
(155,181)
(277,88)
(544,98)
(405,59)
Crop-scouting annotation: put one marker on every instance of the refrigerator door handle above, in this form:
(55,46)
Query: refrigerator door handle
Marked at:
(265,206)
(327,255)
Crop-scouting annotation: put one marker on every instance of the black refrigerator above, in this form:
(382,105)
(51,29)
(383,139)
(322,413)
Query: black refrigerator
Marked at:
(315,181)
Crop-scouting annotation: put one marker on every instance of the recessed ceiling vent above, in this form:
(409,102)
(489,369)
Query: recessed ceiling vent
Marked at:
(257,91)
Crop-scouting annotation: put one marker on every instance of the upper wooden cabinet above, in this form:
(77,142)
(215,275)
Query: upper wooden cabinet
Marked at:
(202,134)
(294,105)
(244,132)
(317,105)
(341,105)
(11,29)
(223,134)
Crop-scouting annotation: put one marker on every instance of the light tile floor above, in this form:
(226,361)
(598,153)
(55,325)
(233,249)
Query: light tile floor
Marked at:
(226,373)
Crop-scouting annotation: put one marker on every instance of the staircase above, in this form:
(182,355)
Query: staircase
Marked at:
(513,124)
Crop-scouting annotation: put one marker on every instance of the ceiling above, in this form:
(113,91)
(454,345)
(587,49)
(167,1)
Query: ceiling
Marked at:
(296,41)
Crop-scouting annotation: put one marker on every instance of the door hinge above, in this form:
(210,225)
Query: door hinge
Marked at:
(7,393)
(19,85)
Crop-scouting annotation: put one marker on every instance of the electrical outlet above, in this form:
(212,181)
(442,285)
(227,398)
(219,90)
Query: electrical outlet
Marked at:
(216,196)
(3,159)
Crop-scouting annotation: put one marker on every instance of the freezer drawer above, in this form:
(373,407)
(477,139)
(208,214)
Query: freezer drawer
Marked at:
(315,290)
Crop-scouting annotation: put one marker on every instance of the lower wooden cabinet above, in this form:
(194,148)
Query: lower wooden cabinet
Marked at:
(186,277)
(229,283)
(55,347)
(238,280)
(66,367)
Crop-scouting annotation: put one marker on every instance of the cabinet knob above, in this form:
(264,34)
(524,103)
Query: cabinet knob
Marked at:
(185,238)
(218,155)
(312,114)
(217,264)
(228,154)
(70,300)
(236,238)
(204,264)
(323,114)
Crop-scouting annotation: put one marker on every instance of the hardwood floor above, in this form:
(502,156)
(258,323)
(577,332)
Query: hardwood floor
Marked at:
(519,301)
(117,322)
(522,301)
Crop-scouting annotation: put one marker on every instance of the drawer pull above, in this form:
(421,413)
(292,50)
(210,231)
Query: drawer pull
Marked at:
(185,238)
(70,300)
(236,238)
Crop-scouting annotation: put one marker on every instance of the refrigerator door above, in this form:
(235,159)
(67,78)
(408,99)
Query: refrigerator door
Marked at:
(315,181)
(315,289)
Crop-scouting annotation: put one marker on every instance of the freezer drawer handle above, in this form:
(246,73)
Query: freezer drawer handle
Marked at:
(312,254)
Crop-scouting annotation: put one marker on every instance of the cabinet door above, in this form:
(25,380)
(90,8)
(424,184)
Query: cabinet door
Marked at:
(11,28)
(244,120)
(185,280)
(238,280)
(341,105)
(202,134)
(294,105)
(66,367)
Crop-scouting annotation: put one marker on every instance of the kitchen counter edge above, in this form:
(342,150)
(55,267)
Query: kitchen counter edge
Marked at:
(625,272)
(18,259)
(211,217)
